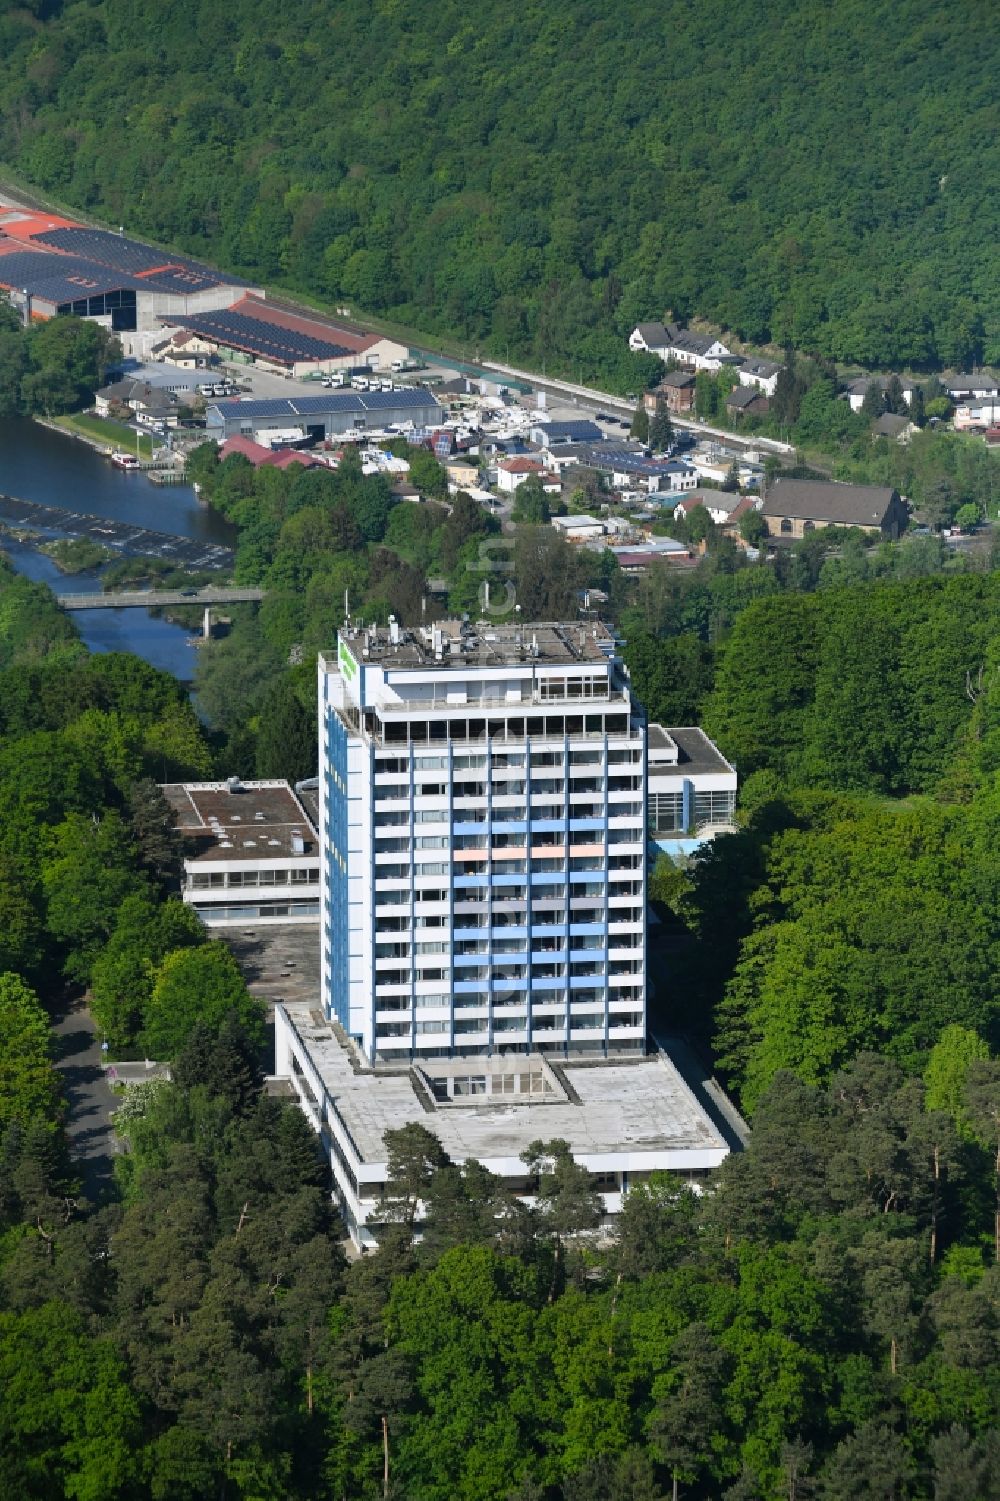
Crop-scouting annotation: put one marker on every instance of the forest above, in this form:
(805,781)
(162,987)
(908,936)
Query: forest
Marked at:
(533,184)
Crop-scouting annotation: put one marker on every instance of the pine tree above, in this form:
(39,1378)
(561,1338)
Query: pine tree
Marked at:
(661,430)
(286,737)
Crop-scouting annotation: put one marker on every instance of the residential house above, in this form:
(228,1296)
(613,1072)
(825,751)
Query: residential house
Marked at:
(793,507)
(745,503)
(857,390)
(747,399)
(649,338)
(184,347)
(761,373)
(577,430)
(720,504)
(512,473)
(962,387)
(672,342)
(892,425)
(462,473)
(674,475)
(973,412)
(699,351)
(272,458)
(675,391)
(152,405)
(656,476)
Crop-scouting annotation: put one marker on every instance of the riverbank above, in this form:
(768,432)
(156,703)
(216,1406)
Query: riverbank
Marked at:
(102,433)
(45,466)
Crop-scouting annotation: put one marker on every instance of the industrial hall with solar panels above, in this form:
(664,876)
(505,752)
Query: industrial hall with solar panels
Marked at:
(50,266)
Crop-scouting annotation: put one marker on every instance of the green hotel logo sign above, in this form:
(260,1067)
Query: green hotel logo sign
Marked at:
(346,662)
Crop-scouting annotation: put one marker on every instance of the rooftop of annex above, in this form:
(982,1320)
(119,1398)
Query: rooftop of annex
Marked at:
(636,1114)
(686,749)
(462,644)
(236,820)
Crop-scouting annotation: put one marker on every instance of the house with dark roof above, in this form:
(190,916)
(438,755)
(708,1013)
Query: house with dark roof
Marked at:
(675,392)
(857,390)
(979,387)
(747,399)
(672,342)
(150,403)
(573,430)
(698,351)
(793,507)
(649,338)
(761,373)
(891,425)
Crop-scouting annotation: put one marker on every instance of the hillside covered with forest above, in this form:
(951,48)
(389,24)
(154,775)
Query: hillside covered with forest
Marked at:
(534,181)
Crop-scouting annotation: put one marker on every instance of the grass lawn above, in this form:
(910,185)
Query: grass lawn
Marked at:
(104,430)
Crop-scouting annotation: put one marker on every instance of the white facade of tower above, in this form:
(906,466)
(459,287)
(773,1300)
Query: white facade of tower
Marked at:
(482,823)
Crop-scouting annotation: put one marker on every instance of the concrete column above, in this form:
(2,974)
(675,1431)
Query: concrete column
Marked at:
(282,1047)
(206,625)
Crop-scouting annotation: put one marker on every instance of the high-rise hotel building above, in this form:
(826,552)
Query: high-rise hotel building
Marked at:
(482,821)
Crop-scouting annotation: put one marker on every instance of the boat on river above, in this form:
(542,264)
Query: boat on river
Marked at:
(123,460)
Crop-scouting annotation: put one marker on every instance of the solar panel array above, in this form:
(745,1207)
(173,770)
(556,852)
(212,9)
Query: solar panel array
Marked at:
(61,278)
(180,281)
(254,336)
(125,254)
(309,406)
(573,431)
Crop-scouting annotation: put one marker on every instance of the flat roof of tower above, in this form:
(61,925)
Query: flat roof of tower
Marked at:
(451,644)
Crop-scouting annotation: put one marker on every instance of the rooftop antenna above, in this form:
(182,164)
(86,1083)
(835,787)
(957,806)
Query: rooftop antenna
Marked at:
(347,607)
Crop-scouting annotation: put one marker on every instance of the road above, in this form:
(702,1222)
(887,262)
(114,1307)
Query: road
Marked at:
(90,1101)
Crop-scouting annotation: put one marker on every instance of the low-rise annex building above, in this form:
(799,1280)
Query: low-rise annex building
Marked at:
(251,852)
(624,1119)
(690,789)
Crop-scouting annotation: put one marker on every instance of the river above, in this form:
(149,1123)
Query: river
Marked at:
(55,469)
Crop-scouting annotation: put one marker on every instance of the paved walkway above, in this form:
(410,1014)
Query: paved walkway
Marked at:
(90,1101)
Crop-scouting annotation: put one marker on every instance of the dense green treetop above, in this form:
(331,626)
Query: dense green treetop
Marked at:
(528,182)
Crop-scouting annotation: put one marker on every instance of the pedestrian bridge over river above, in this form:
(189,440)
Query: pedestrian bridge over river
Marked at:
(129,599)
(126,599)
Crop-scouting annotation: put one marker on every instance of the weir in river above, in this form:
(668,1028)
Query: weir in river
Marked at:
(120,536)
